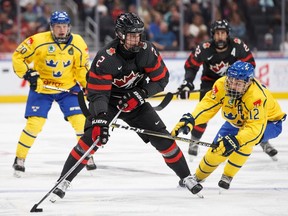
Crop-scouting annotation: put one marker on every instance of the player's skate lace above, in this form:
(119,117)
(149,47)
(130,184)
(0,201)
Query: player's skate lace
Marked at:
(60,190)
(91,164)
(19,167)
(268,149)
(191,184)
(225,182)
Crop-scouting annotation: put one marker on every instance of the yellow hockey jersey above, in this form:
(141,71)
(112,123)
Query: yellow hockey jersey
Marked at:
(250,113)
(59,65)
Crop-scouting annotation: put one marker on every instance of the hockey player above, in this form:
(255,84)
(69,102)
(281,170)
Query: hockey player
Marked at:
(60,59)
(117,80)
(215,55)
(252,116)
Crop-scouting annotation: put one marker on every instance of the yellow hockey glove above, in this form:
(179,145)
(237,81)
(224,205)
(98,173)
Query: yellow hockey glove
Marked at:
(226,146)
(185,125)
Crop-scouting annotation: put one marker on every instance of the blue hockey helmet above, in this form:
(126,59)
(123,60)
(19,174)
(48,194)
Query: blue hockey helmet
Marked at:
(129,23)
(60,17)
(238,78)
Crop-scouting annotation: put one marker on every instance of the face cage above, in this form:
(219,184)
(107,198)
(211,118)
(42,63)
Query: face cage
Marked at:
(233,93)
(125,42)
(61,40)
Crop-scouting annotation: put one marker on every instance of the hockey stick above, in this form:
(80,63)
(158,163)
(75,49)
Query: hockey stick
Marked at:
(86,112)
(60,89)
(176,93)
(168,97)
(162,135)
(35,207)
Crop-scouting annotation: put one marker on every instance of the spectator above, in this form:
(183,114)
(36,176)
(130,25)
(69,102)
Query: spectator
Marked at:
(154,27)
(268,42)
(238,28)
(165,40)
(89,8)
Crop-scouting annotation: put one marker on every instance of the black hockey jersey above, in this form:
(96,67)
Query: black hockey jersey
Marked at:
(112,73)
(216,63)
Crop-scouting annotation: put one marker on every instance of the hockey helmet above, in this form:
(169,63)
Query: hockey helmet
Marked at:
(129,23)
(238,78)
(60,17)
(220,25)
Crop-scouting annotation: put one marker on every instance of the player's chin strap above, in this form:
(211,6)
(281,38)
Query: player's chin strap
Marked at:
(35,207)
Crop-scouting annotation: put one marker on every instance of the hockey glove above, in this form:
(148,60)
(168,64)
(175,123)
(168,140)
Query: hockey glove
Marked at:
(36,84)
(132,99)
(100,128)
(226,146)
(183,90)
(185,125)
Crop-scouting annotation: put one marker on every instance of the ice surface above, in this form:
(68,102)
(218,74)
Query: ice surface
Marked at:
(132,178)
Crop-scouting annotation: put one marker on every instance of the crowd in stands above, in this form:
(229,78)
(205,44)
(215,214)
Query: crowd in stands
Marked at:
(257,22)
(34,18)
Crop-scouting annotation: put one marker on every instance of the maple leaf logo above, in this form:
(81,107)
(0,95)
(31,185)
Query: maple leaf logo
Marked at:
(220,68)
(206,45)
(111,51)
(128,81)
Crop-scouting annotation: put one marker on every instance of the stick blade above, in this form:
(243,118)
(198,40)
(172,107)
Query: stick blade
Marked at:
(35,209)
(168,97)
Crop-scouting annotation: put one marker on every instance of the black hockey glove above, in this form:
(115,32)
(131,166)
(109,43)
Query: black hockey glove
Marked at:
(132,99)
(226,146)
(100,128)
(183,90)
(36,84)
(185,125)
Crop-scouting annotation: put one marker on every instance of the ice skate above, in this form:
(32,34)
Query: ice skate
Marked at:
(192,185)
(224,183)
(19,167)
(91,164)
(269,150)
(59,191)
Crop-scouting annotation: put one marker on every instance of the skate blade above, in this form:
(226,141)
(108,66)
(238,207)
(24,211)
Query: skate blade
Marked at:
(18,174)
(222,191)
(200,195)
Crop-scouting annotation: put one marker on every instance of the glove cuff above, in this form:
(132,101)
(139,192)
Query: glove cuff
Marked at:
(188,118)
